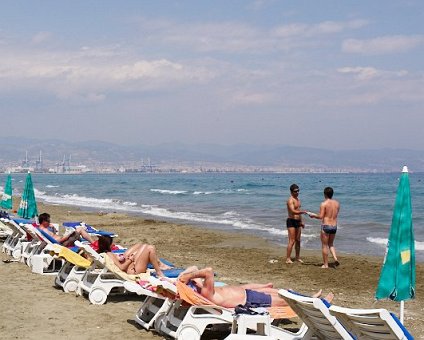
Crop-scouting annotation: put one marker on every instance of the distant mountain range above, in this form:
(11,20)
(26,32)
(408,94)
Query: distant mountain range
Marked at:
(12,150)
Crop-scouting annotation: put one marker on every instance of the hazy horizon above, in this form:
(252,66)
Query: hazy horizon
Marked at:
(328,74)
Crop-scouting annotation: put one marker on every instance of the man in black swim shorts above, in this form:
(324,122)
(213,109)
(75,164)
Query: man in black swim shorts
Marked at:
(328,212)
(294,223)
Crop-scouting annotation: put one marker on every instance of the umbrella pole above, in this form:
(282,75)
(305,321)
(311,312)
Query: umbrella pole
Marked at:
(402,307)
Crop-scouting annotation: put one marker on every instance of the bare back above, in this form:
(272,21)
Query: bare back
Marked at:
(329,211)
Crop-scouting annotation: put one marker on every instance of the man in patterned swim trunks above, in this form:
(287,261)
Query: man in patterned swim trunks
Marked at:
(249,295)
(328,213)
(294,223)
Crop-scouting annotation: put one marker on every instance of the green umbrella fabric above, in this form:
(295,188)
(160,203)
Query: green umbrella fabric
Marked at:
(397,278)
(28,205)
(6,200)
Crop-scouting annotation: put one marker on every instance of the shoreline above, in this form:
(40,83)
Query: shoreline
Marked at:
(205,226)
(237,258)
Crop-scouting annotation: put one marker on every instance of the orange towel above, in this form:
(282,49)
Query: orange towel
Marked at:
(193,298)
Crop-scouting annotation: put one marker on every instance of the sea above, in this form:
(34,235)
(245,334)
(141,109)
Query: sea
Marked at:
(252,203)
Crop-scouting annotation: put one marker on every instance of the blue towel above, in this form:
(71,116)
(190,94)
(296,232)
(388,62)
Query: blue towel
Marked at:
(150,266)
(23,221)
(171,273)
(90,229)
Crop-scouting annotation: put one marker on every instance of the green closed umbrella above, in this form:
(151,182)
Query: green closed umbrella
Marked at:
(397,278)
(28,205)
(6,200)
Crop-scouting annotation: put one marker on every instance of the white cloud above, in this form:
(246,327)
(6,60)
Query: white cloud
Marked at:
(383,45)
(361,73)
(238,37)
(89,73)
(368,73)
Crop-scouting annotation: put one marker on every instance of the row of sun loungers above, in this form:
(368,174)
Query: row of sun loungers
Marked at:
(176,311)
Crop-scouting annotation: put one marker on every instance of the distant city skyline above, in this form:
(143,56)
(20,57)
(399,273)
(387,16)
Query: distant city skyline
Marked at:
(327,74)
(61,156)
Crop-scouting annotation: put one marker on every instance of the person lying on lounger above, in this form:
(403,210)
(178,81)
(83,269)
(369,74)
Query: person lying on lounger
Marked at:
(68,239)
(249,295)
(135,259)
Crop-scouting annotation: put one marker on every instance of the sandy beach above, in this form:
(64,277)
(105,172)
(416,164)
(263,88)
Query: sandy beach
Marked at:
(32,308)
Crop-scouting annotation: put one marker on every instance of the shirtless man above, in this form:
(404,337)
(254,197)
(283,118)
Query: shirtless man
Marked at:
(328,211)
(249,295)
(294,223)
(66,240)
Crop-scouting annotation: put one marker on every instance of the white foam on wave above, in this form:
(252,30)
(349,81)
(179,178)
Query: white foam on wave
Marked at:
(229,218)
(74,199)
(52,186)
(169,192)
(383,242)
(38,193)
(219,192)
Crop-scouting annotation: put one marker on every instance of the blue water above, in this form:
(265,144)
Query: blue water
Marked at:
(253,203)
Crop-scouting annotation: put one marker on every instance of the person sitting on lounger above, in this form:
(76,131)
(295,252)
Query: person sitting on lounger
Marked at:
(135,259)
(249,295)
(66,240)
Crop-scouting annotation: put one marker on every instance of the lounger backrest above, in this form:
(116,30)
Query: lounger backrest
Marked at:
(90,251)
(112,267)
(45,237)
(16,224)
(315,314)
(371,323)
(30,229)
(16,229)
(70,256)
(90,229)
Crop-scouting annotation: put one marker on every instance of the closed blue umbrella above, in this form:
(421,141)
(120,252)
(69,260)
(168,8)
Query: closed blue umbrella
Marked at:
(28,205)
(397,278)
(6,200)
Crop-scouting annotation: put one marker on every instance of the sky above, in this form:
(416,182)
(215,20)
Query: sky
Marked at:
(327,74)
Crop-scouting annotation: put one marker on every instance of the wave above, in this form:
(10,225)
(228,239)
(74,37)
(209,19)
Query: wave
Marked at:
(256,185)
(170,192)
(229,218)
(52,186)
(222,191)
(383,242)
(198,192)
(90,202)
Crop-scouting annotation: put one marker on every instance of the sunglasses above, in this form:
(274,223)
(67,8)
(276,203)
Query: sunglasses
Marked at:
(296,191)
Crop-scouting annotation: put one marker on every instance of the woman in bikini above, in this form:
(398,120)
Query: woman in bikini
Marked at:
(135,259)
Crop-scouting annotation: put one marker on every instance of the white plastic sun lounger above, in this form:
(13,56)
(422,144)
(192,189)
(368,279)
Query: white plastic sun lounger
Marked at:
(154,306)
(5,230)
(12,245)
(42,262)
(371,323)
(315,314)
(33,247)
(183,321)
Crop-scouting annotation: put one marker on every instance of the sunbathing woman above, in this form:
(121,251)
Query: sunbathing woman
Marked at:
(135,259)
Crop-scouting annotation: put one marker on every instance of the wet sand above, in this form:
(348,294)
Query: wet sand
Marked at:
(32,308)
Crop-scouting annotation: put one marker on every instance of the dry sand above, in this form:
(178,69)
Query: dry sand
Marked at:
(32,308)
